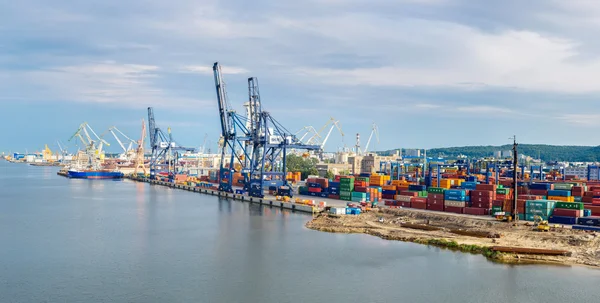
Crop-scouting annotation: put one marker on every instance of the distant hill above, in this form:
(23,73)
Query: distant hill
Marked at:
(545,152)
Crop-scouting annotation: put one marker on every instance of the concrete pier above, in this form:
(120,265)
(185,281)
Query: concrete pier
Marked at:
(267,201)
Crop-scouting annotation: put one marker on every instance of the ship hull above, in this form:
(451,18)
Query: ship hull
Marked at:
(94,174)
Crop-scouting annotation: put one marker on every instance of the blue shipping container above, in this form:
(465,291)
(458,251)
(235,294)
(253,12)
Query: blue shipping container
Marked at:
(562,220)
(559,193)
(542,186)
(334,184)
(316,185)
(389,192)
(589,221)
(455,198)
(587,212)
(413,187)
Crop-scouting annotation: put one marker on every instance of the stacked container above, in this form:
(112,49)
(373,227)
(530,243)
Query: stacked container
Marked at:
(346,188)
(560,195)
(566,213)
(435,198)
(455,200)
(543,208)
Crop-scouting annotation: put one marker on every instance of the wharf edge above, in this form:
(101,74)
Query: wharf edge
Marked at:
(239,197)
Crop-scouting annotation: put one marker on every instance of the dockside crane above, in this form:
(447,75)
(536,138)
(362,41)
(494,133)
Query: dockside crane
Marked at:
(165,151)
(126,150)
(139,153)
(271,142)
(258,138)
(374,130)
(235,141)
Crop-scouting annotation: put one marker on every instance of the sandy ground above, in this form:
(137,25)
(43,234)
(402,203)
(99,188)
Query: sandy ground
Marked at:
(584,247)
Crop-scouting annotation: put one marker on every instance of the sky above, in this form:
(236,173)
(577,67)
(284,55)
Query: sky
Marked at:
(428,73)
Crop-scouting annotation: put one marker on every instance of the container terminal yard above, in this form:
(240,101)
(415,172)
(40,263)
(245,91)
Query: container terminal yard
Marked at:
(501,207)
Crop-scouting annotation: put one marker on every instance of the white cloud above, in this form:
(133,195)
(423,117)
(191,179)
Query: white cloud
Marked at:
(208,69)
(483,109)
(585,120)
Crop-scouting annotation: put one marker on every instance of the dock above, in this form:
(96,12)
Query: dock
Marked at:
(267,201)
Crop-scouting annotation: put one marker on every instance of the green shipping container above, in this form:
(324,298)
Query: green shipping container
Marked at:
(577,199)
(503,191)
(346,198)
(423,194)
(569,205)
(500,186)
(345,194)
(347,187)
(521,216)
(563,186)
(436,190)
(495,209)
(359,195)
(347,180)
(365,179)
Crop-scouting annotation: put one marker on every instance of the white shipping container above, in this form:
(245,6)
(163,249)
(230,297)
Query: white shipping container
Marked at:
(455,203)
(337,211)
(402,198)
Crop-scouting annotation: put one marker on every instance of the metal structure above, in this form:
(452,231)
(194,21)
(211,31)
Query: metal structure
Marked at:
(374,130)
(127,151)
(165,151)
(257,142)
(139,153)
(438,174)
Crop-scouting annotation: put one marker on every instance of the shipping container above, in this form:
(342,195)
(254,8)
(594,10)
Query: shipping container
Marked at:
(562,220)
(589,221)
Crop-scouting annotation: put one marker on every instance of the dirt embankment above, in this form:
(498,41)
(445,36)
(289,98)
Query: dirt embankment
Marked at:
(469,234)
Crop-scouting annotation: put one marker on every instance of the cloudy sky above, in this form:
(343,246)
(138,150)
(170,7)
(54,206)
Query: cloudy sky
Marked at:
(429,73)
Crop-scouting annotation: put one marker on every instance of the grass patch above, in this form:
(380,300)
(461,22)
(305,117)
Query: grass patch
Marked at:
(469,248)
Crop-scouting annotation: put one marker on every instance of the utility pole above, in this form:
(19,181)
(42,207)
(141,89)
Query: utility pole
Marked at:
(515,167)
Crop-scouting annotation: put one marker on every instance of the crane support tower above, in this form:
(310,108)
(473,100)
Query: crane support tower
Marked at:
(257,142)
(165,151)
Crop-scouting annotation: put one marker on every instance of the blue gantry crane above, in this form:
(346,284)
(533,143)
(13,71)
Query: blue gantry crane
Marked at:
(258,142)
(165,151)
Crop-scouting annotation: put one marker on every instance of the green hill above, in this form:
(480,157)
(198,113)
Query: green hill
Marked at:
(545,152)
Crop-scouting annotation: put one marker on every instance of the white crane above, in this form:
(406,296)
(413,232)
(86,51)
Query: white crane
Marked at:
(127,152)
(334,123)
(307,130)
(375,130)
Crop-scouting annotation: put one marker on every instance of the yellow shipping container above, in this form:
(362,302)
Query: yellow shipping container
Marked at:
(562,199)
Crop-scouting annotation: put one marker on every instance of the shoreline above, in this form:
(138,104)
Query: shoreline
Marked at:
(467,235)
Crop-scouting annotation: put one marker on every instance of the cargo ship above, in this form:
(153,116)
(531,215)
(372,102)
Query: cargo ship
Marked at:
(94,174)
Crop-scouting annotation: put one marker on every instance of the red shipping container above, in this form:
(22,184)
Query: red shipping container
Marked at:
(435,201)
(538,192)
(436,207)
(501,197)
(574,213)
(529,197)
(452,209)
(482,199)
(419,200)
(360,184)
(419,205)
(314,189)
(587,199)
(435,196)
(404,204)
(588,194)
(401,188)
(333,197)
(360,189)
(596,193)
(409,193)
(389,202)
(594,208)
(387,196)
(595,201)
(498,202)
(486,205)
(482,193)
(476,211)
(490,187)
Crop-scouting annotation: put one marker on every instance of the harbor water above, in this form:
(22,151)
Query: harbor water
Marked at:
(65,240)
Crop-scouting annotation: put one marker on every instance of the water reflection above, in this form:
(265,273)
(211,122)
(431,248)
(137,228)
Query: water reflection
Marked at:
(224,203)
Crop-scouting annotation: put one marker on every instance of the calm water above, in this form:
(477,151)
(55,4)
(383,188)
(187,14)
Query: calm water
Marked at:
(118,241)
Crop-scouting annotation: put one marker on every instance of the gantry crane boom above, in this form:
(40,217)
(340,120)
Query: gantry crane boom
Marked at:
(375,130)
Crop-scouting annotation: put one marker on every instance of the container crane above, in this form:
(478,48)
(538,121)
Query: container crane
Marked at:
(374,130)
(262,140)
(165,151)
(231,143)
